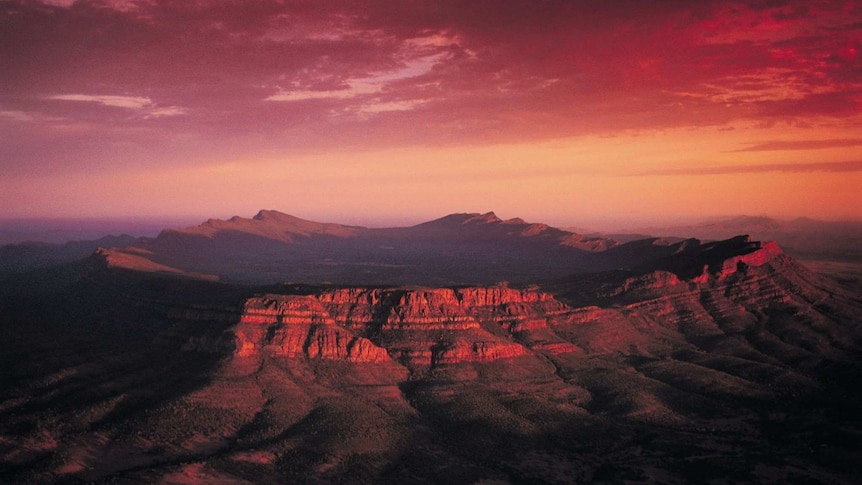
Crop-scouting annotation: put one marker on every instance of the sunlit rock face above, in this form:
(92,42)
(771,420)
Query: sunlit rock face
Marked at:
(704,350)
(294,326)
(425,328)
(419,327)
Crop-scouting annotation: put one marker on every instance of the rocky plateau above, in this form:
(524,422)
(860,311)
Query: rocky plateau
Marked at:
(720,362)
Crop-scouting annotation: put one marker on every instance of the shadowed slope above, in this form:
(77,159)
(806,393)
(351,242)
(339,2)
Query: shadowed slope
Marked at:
(456,249)
(743,372)
(808,239)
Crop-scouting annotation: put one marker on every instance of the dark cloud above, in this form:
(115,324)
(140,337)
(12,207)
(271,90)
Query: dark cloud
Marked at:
(296,75)
(854,166)
(779,145)
(838,104)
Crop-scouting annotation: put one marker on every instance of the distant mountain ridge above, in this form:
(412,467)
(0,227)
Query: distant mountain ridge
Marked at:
(455,249)
(272,247)
(273,225)
(26,256)
(805,238)
(460,248)
(279,226)
(680,360)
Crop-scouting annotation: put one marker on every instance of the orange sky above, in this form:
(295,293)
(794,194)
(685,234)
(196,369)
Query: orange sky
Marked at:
(570,113)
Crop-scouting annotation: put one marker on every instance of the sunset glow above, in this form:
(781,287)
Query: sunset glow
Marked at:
(570,113)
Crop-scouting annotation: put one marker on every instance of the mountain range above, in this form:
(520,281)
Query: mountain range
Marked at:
(809,239)
(272,247)
(468,349)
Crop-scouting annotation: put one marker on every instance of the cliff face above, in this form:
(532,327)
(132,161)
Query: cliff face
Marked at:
(760,254)
(424,328)
(286,310)
(665,364)
(419,327)
(299,326)
(462,308)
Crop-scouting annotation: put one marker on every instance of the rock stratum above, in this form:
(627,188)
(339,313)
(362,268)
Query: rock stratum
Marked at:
(420,329)
(725,361)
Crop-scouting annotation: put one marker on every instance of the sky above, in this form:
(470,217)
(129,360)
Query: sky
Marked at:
(574,113)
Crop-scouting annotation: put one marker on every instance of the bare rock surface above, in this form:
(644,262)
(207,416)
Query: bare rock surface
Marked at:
(725,361)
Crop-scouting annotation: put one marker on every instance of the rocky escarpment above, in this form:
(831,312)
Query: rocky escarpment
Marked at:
(146,377)
(758,303)
(419,327)
(424,328)
(294,326)
(760,254)
(751,300)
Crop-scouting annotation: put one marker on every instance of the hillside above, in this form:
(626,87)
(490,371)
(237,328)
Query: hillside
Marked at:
(809,239)
(724,361)
(456,249)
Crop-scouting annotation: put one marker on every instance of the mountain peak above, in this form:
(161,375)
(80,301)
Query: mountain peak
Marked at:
(269,215)
(463,218)
(486,218)
(269,224)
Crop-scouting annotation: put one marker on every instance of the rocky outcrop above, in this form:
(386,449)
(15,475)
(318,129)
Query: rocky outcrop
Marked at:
(748,253)
(189,372)
(326,342)
(423,327)
(648,283)
(464,308)
(419,327)
(766,253)
(431,309)
(353,307)
(431,327)
(299,326)
(479,351)
(285,309)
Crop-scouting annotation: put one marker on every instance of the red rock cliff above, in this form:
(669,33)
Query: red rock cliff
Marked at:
(420,326)
(299,326)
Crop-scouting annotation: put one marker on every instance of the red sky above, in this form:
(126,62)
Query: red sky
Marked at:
(566,112)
